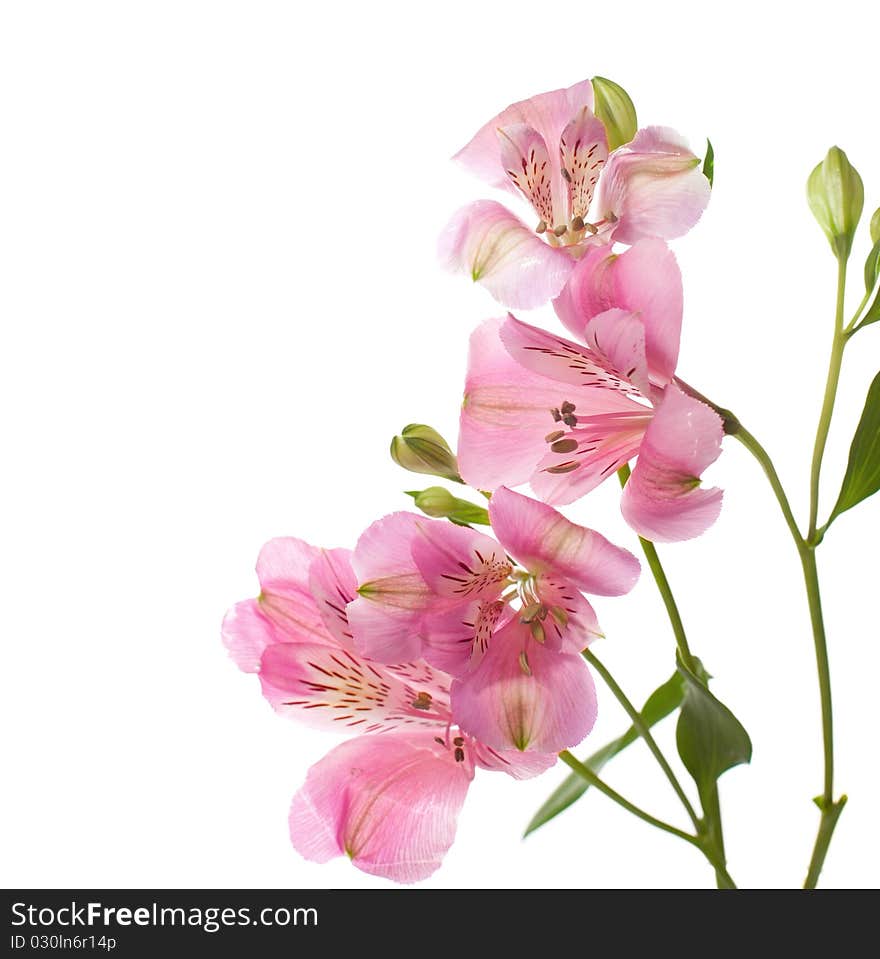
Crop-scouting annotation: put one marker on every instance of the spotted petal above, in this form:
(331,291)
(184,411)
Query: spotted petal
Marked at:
(495,248)
(459,563)
(583,148)
(333,585)
(336,689)
(283,570)
(389,802)
(662,500)
(526,159)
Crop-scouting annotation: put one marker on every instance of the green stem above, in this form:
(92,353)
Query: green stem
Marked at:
(587,774)
(714,840)
(643,730)
(663,586)
(834,363)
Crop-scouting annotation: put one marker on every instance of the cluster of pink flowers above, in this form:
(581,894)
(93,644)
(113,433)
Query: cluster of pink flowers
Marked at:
(446,649)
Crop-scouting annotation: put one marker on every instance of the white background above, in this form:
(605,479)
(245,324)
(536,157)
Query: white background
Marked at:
(221,300)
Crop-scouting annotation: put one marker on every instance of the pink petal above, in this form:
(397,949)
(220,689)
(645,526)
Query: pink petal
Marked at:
(526,160)
(283,570)
(547,113)
(544,541)
(661,500)
(456,640)
(583,146)
(654,186)
(644,279)
(246,633)
(459,563)
(335,689)
(519,765)
(558,358)
(497,249)
(389,802)
(333,585)
(618,337)
(524,696)
(392,595)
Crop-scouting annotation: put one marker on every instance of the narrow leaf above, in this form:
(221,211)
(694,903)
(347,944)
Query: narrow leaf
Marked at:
(862,478)
(709,737)
(872,274)
(663,701)
(709,163)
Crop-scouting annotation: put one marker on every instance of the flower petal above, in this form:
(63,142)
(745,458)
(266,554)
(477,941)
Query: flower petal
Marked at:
(544,541)
(583,148)
(618,338)
(558,358)
(389,802)
(384,619)
(495,248)
(456,640)
(335,689)
(654,186)
(458,563)
(283,570)
(662,500)
(246,633)
(525,696)
(519,765)
(333,585)
(571,623)
(526,160)
(547,113)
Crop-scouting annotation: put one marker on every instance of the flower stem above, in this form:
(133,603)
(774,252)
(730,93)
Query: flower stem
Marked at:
(587,774)
(834,363)
(663,586)
(643,730)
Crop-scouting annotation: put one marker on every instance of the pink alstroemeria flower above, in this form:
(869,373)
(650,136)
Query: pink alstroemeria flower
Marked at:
(564,416)
(388,799)
(447,594)
(552,149)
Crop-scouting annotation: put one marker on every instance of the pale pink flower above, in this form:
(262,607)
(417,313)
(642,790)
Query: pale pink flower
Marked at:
(506,617)
(390,798)
(551,149)
(564,416)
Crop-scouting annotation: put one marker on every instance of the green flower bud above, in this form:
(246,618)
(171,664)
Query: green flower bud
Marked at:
(615,109)
(836,197)
(439,502)
(420,449)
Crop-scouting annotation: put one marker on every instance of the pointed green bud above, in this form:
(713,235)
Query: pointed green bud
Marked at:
(615,109)
(420,449)
(875,226)
(439,502)
(836,197)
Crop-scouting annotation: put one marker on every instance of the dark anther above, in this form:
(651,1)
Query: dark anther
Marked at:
(562,468)
(568,407)
(564,446)
(458,741)
(560,230)
(554,436)
(557,416)
(570,420)
(541,227)
(566,175)
(422,701)
(437,739)
(577,224)
(459,754)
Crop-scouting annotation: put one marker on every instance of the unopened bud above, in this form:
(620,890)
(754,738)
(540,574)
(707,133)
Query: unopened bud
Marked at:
(420,449)
(439,502)
(836,197)
(616,110)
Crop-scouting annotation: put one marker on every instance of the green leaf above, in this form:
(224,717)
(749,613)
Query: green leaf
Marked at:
(616,110)
(709,163)
(439,502)
(663,701)
(874,228)
(862,478)
(872,274)
(836,197)
(709,737)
